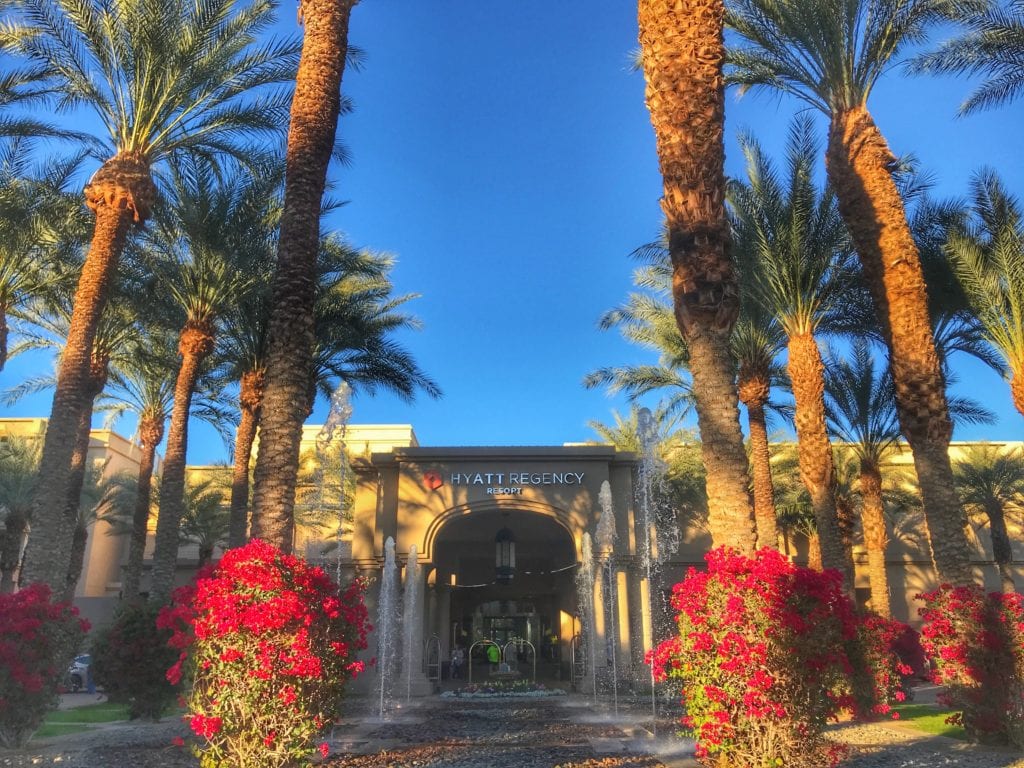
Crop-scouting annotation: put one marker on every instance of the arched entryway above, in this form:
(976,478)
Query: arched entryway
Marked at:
(537,604)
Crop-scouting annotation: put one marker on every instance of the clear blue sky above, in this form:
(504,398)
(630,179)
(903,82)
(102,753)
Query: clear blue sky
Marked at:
(503,152)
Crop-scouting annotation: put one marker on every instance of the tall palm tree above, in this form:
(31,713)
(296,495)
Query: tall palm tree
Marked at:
(757,341)
(311,139)
(161,76)
(830,54)
(992,482)
(681,52)
(648,320)
(988,258)
(19,461)
(862,415)
(993,46)
(793,249)
(201,254)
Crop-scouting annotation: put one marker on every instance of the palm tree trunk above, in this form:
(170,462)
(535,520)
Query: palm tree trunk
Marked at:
(151,432)
(859,166)
(753,393)
(120,193)
(814,552)
(311,134)
(72,511)
(15,532)
(1002,550)
(682,53)
(250,398)
(807,374)
(194,346)
(876,539)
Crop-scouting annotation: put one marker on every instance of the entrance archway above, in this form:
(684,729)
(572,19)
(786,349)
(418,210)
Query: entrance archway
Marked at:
(537,605)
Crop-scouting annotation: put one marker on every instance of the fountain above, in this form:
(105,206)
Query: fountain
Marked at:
(655,542)
(588,628)
(337,419)
(606,535)
(387,624)
(412,621)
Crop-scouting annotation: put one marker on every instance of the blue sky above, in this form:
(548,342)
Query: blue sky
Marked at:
(503,152)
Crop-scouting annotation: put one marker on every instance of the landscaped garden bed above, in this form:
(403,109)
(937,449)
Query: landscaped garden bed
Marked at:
(505,688)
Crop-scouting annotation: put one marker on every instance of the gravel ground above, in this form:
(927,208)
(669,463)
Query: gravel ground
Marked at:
(438,733)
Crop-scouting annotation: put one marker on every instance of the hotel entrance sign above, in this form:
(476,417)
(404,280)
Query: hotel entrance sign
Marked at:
(511,483)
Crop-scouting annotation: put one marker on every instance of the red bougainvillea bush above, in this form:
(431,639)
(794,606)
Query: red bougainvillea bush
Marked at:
(761,654)
(878,668)
(38,638)
(974,640)
(268,643)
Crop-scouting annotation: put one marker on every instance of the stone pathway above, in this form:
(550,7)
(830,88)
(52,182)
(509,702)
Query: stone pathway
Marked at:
(562,732)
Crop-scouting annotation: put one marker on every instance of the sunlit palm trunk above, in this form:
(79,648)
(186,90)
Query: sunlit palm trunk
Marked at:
(876,538)
(314,121)
(1017,391)
(1002,550)
(814,551)
(682,53)
(15,532)
(121,194)
(250,398)
(859,165)
(76,478)
(753,392)
(807,374)
(194,346)
(151,432)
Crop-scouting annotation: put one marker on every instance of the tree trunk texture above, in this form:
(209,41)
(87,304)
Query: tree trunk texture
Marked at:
(814,552)
(1002,550)
(753,393)
(249,401)
(15,532)
(1017,392)
(314,121)
(121,194)
(859,165)
(194,346)
(76,479)
(151,432)
(814,450)
(682,53)
(876,537)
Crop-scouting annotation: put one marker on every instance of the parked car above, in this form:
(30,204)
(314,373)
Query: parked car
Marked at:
(78,673)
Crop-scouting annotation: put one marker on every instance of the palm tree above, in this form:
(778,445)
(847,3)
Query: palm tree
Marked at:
(142,383)
(862,415)
(40,223)
(757,341)
(206,520)
(647,319)
(992,482)
(311,139)
(988,258)
(793,250)
(19,460)
(681,53)
(830,54)
(185,76)
(993,45)
(201,255)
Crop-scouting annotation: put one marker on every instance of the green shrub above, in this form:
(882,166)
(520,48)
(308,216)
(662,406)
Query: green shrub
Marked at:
(130,661)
